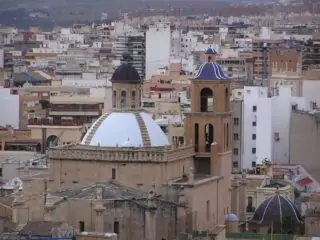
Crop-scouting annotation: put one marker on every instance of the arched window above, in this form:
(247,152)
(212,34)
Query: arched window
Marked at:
(123,99)
(196,137)
(227,136)
(114,99)
(209,136)
(250,207)
(133,99)
(206,100)
(227,100)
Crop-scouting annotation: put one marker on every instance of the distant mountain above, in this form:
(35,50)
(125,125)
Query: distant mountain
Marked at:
(21,13)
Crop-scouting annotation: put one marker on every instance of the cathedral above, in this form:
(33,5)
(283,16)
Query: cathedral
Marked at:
(125,177)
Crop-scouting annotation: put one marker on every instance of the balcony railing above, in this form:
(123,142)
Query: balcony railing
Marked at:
(54,122)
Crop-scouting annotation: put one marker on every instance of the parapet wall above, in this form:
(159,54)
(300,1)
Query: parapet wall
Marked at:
(88,153)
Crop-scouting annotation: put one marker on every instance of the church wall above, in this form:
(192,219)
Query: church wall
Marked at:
(66,173)
(225,185)
(204,207)
(166,222)
(130,216)
(33,207)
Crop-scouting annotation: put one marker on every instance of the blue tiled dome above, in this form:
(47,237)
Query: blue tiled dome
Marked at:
(211,50)
(210,71)
(276,208)
(231,217)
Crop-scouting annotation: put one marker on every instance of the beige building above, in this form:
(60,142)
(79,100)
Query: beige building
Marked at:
(125,177)
(304,140)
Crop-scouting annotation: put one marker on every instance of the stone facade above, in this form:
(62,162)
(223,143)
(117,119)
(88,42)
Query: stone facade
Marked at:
(140,168)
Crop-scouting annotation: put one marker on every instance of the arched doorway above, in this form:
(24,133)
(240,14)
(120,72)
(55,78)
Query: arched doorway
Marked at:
(206,100)
(196,137)
(52,141)
(209,136)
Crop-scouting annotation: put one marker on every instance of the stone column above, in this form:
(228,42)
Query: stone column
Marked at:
(150,226)
(99,211)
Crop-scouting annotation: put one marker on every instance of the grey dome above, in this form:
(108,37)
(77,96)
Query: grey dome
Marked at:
(276,209)
(126,73)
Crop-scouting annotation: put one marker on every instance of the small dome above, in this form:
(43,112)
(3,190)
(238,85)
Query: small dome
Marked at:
(211,50)
(126,73)
(275,208)
(231,217)
(210,71)
(121,129)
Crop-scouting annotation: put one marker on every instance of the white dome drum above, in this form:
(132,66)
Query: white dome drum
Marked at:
(125,129)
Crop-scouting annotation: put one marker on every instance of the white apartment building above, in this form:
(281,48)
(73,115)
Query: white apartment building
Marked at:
(1,58)
(9,108)
(265,126)
(158,48)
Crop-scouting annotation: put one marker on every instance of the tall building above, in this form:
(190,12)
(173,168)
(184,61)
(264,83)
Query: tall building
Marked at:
(208,125)
(261,125)
(311,53)
(135,45)
(157,57)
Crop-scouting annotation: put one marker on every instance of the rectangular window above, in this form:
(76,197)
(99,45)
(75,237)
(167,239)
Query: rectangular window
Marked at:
(236,121)
(254,108)
(81,226)
(116,227)
(254,136)
(235,164)
(253,150)
(235,136)
(236,151)
(254,124)
(114,173)
(0,172)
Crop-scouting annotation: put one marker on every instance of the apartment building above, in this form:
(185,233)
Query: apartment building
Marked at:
(260,56)
(237,127)
(135,45)
(305,139)
(311,53)
(239,69)
(261,124)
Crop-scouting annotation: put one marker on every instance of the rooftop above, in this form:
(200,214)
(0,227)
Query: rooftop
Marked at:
(110,191)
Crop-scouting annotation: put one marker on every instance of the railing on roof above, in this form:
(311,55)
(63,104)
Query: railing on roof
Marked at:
(249,235)
(54,122)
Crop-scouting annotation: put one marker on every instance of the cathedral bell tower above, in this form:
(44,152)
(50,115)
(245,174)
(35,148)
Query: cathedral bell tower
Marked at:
(126,86)
(208,125)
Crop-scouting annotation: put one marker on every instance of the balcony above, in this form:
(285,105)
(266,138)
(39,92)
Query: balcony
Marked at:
(54,122)
(74,113)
